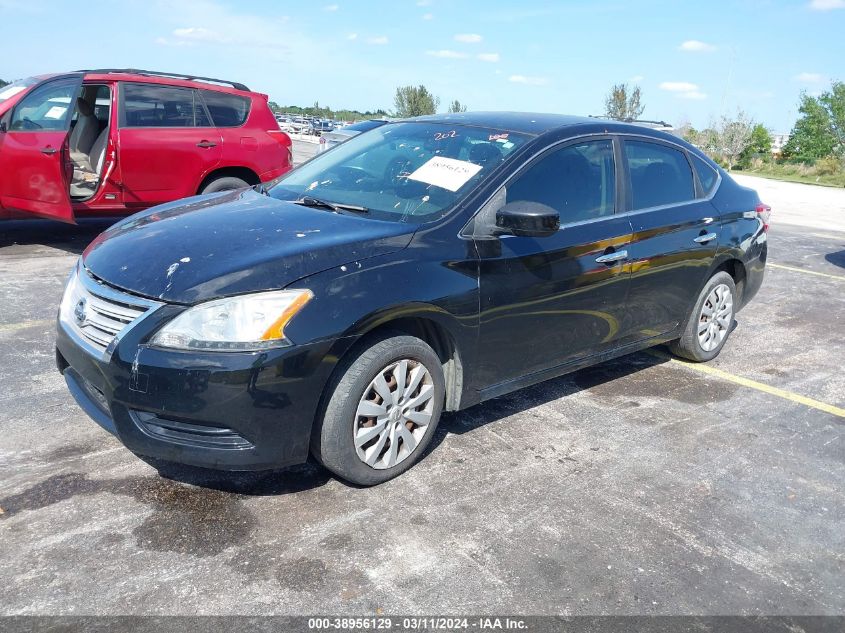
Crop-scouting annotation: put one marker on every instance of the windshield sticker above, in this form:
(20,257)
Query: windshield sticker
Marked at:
(11,92)
(496,137)
(447,173)
(439,136)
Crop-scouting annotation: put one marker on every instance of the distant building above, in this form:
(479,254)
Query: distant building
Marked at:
(778,141)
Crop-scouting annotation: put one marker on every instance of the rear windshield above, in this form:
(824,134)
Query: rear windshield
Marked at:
(405,172)
(9,91)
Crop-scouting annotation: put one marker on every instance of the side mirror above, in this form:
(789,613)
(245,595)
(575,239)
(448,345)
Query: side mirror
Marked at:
(528,219)
(3,126)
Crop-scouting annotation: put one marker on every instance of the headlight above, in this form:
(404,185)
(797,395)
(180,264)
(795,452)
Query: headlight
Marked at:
(247,322)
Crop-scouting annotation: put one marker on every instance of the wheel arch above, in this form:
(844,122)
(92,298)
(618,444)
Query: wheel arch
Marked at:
(244,173)
(431,327)
(736,269)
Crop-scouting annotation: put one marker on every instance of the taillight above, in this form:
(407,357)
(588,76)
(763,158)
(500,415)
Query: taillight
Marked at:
(284,141)
(764,211)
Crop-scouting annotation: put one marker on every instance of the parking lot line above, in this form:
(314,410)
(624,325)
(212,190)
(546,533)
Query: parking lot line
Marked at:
(809,272)
(753,384)
(12,327)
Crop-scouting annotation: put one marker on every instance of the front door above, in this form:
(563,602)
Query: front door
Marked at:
(34,157)
(675,238)
(548,301)
(166,143)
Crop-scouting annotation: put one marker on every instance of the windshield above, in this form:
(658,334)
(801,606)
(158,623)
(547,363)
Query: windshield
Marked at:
(9,91)
(406,172)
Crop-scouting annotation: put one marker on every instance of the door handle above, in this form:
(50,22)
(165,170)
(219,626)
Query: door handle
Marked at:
(612,258)
(49,150)
(206,144)
(703,239)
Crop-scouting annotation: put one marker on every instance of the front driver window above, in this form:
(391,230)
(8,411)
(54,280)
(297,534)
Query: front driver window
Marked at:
(48,107)
(579,181)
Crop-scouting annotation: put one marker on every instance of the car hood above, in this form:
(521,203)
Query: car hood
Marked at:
(232,243)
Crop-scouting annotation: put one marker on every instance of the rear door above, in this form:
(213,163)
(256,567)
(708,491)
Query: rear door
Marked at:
(675,236)
(166,143)
(34,160)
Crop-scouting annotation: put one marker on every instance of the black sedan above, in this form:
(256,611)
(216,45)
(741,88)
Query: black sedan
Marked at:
(425,265)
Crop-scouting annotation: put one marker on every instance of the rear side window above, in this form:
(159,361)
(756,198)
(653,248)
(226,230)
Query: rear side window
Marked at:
(706,174)
(148,105)
(226,110)
(660,175)
(579,181)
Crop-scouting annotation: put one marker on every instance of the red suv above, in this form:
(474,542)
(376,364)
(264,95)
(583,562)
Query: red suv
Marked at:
(109,142)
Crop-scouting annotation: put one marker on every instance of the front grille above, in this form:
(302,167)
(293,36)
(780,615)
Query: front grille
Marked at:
(98,313)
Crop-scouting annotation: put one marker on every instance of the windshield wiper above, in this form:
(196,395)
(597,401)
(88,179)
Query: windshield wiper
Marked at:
(311,201)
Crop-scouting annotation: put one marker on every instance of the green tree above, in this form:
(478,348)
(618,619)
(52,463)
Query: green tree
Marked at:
(812,136)
(457,106)
(3,83)
(760,144)
(834,102)
(621,106)
(413,101)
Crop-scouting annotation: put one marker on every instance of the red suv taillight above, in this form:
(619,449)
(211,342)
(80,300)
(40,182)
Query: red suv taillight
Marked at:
(764,212)
(284,141)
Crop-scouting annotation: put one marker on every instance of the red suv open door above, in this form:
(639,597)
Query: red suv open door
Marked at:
(34,151)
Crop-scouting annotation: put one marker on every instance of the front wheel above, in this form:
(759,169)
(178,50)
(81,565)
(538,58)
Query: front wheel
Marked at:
(381,411)
(711,321)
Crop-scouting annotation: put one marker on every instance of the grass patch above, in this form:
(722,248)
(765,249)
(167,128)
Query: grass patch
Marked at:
(827,172)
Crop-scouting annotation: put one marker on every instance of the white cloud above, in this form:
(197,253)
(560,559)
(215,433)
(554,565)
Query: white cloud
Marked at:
(380,39)
(696,46)
(200,34)
(468,38)
(428,16)
(636,79)
(528,81)
(331,8)
(809,78)
(683,90)
(678,86)
(488,57)
(827,5)
(447,54)
(352,36)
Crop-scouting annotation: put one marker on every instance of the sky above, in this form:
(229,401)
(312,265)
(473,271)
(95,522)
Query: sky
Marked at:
(694,61)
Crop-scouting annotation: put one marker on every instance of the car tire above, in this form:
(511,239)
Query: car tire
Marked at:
(711,321)
(225,183)
(361,385)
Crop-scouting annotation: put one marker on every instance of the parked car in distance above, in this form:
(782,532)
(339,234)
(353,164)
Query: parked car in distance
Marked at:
(111,142)
(422,266)
(338,135)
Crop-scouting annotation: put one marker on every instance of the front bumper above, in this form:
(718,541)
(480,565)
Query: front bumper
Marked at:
(228,411)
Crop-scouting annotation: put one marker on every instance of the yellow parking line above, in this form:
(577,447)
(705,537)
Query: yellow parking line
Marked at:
(753,384)
(12,327)
(809,272)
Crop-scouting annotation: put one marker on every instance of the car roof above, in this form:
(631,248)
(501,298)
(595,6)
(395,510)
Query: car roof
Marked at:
(537,124)
(153,77)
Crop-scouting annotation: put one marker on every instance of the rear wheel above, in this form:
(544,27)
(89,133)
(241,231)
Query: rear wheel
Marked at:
(711,321)
(382,411)
(224,183)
